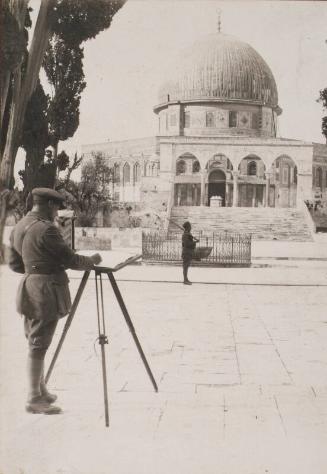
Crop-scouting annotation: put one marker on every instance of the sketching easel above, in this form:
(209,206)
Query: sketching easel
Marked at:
(102,337)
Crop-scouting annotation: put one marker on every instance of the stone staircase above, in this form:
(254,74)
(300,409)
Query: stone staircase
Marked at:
(319,218)
(262,223)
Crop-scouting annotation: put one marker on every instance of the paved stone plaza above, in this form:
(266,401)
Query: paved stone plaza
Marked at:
(240,358)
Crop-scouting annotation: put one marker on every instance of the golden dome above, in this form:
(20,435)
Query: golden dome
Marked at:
(220,68)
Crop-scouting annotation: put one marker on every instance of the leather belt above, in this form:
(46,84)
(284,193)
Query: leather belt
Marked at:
(42,269)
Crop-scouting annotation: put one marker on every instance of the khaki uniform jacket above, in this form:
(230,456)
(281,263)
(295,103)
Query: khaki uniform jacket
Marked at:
(42,255)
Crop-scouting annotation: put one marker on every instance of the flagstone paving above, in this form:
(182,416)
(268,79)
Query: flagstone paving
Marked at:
(241,370)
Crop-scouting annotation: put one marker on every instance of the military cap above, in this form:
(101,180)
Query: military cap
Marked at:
(47,194)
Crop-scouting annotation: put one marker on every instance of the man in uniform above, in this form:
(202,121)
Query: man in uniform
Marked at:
(188,246)
(39,251)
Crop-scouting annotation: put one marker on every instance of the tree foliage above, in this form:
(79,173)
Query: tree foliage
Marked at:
(323,99)
(35,128)
(76,22)
(73,23)
(63,65)
(62,161)
(13,40)
(64,69)
(92,193)
(72,166)
(23,81)
(97,175)
(35,139)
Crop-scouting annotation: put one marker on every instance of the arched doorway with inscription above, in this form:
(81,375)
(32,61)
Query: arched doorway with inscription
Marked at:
(219,179)
(217,185)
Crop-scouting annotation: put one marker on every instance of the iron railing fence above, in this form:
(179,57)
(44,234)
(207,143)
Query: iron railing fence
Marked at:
(215,249)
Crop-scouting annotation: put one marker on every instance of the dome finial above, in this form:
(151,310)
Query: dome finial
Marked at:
(219,19)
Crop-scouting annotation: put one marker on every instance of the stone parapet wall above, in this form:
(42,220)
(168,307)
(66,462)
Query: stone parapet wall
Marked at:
(107,238)
(99,238)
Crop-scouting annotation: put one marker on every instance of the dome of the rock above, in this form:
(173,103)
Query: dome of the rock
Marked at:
(220,68)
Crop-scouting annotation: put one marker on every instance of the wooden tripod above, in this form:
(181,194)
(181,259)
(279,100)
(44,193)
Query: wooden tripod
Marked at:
(102,337)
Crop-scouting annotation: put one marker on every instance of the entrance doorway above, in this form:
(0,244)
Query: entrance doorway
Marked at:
(251,195)
(187,194)
(217,185)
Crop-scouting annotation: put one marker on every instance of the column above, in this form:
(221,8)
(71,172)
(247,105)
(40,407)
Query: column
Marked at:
(203,188)
(178,194)
(254,195)
(226,193)
(304,187)
(122,184)
(132,179)
(268,176)
(235,188)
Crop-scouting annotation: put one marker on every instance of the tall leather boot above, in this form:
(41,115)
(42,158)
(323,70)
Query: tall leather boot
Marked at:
(36,403)
(46,395)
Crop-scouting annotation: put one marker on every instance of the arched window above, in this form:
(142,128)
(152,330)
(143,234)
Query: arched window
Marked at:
(154,169)
(219,158)
(195,166)
(126,173)
(319,178)
(137,173)
(116,173)
(180,167)
(252,168)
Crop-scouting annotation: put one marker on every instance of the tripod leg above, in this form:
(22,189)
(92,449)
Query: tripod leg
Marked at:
(131,327)
(68,323)
(102,341)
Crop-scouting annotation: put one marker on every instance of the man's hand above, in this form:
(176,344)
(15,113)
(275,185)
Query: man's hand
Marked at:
(96,258)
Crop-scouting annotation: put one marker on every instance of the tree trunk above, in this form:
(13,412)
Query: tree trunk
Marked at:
(22,94)
(5,81)
(18,9)
(55,156)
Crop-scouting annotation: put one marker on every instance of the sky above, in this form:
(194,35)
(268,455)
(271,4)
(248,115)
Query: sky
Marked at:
(125,65)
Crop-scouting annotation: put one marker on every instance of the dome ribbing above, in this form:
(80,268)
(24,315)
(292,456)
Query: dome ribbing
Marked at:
(223,68)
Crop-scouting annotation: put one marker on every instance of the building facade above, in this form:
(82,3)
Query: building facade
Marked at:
(217,138)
